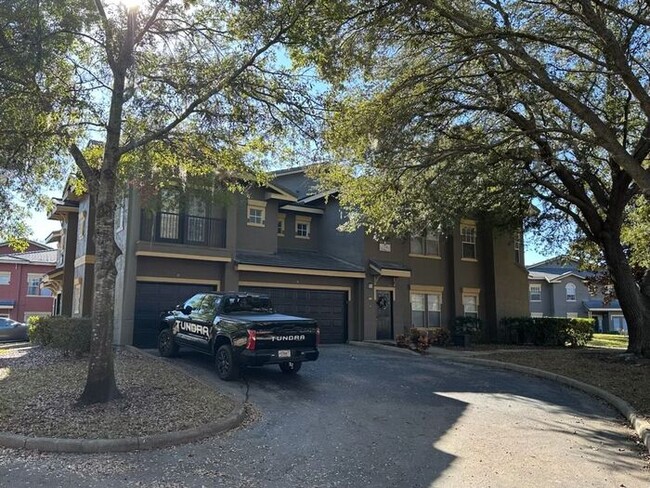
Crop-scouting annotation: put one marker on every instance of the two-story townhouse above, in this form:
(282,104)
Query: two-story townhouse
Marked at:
(283,239)
(21,295)
(557,288)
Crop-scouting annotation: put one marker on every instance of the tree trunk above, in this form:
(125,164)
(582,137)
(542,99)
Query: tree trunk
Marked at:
(634,303)
(100,382)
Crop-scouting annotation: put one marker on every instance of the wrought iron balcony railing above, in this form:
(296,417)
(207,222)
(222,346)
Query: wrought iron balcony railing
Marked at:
(178,228)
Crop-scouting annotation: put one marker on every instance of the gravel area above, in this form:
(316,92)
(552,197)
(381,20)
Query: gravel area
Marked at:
(610,370)
(40,388)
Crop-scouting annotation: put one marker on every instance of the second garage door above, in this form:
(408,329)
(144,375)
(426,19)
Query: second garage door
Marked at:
(328,308)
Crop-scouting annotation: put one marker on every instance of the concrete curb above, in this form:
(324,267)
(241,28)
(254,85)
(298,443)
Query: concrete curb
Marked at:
(638,423)
(154,441)
(377,345)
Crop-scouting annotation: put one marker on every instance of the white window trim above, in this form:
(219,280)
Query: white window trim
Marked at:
(471,224)
(282,218)
(31,276)
(471,292)
(257,205)
(530,294)
(566,289)
(8,274)
(426,293)
(300,219)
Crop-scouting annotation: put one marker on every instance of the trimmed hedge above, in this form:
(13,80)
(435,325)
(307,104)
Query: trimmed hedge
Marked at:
(70,335)
(548,331)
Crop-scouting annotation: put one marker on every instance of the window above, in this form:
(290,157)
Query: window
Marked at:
(572,315)
(535,292)
(384,246)
(5,277)
(196,219)
(303,227)
(427,245)
(468,240)
(33,282)
(517,247)
(169,227)
(426,309)
(470,305)
(618,323)
(256,212)
(282,224)
(570,292)
(536,315)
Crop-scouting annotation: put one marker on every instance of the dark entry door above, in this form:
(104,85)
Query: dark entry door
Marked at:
(384,314)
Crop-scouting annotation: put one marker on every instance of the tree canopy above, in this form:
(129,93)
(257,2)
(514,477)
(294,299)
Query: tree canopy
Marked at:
(447,108)
(134,95)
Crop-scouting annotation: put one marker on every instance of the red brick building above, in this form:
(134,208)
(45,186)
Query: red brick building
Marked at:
(21,295)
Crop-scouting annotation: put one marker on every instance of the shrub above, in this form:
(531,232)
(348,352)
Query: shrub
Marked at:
(467,325)
(70,335)
(39,330)
(547,331)
(439,336)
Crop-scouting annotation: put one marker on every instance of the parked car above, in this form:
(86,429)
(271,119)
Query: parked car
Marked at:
(10,330)
(239,329)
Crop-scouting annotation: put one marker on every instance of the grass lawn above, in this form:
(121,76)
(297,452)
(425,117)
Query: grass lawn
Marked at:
(608,340)
(606,369)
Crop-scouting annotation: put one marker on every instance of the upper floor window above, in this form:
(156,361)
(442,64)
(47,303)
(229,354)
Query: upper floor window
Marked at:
(468,240)
(282,221)
(470,304)
(427,245)
(256,213)
(535,292)
(5,277)
(570,292)
(33,285)
(517,247)
(303,227)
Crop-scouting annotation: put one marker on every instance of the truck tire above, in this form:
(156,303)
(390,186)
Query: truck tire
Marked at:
(166,345)
(291,367)
(226,363)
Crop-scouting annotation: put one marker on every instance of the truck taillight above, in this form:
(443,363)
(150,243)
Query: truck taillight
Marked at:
(318,336)
(252,338)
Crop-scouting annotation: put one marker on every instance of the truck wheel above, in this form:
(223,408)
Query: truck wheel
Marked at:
(290,367)
(166,345)
(226,363)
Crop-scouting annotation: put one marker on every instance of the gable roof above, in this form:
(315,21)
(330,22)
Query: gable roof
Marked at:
(44,257)
(30,243)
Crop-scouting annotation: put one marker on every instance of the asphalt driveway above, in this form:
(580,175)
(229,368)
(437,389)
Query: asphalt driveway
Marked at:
(366,417)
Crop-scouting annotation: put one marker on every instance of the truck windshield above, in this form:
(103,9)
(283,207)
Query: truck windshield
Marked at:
(247,304)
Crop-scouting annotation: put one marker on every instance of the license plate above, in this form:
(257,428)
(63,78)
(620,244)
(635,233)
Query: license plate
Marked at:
(284,353)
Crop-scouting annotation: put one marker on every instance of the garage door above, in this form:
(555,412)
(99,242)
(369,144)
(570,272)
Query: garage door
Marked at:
(328,308)
(153,298)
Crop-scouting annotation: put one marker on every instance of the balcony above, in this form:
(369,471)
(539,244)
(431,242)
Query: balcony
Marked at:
(191,230)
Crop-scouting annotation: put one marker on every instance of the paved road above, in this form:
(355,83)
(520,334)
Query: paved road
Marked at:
(365,417)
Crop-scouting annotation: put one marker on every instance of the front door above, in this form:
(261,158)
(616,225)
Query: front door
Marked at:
(384,315)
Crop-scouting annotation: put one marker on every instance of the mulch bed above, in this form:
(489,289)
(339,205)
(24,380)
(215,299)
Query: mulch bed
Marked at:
(39,388)
(610,370)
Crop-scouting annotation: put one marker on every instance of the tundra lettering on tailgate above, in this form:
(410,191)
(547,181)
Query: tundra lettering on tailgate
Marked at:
(288,338)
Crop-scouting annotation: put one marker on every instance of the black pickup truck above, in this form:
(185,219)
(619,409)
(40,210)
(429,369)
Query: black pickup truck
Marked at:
(239,329)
